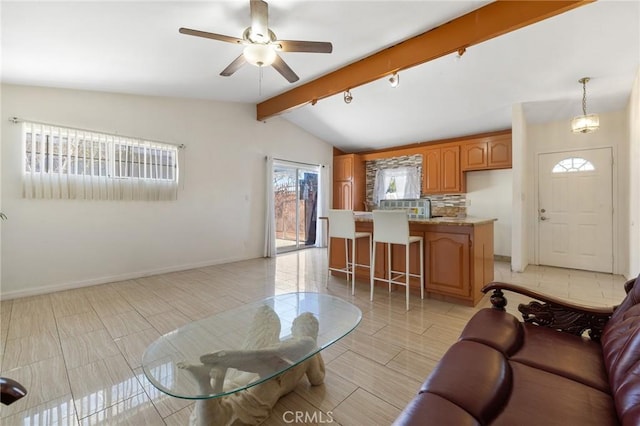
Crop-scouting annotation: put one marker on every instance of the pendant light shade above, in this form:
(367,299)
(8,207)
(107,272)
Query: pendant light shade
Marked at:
(585,123)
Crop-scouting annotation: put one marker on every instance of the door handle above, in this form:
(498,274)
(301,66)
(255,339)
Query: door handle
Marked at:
(544,218)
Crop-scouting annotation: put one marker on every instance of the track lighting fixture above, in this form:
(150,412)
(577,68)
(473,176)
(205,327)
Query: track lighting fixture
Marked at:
(585,123)
(394,80)
(348,97)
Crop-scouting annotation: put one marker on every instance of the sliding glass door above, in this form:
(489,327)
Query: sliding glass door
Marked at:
(295,189)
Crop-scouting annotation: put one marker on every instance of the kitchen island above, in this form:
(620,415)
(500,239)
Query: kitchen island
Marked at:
(458,256)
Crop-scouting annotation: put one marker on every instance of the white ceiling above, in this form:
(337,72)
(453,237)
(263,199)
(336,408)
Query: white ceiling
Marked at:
(135,47)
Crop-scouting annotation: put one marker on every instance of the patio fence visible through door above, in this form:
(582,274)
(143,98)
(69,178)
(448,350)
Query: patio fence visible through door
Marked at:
(295,203)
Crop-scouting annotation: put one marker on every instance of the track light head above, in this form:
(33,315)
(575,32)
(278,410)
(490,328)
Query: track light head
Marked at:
(348,97)
(394,80)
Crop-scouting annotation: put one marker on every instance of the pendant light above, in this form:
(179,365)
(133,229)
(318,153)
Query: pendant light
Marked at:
(585,123)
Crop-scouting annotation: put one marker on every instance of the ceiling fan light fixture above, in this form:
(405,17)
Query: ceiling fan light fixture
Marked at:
(585,123)
(394,80)
(259,55)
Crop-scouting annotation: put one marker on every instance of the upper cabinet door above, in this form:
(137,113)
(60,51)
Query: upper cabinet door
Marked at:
(450,164)
(499,154)
(343,167)
(431,171)
(474,155)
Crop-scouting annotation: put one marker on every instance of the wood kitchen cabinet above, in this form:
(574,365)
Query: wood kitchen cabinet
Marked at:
(343,195)
(441,170)
(348,182)
(448,259)
(493,152)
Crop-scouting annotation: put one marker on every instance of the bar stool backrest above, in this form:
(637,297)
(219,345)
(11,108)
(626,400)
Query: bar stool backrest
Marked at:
(341,224)
(391,226)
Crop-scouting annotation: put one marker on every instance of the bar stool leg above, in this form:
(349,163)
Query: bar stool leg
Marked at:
(373,268)
(346,256)
(390,263)
(353,266)
(328,261)
(406,249)
(422,269)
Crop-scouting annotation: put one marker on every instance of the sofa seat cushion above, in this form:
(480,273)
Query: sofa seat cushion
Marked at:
(576,358)
(542,398)
(494,328)
(473,376)
(438,410)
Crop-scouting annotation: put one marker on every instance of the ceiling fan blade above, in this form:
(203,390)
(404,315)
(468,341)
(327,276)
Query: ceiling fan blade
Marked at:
(305,46)
(234,66)
(282,67)
(259,21)
(214,36)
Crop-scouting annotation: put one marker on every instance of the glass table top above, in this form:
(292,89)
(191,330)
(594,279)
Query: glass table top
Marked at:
(244,346)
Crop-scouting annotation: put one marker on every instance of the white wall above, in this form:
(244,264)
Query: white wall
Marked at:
(48,245)
(557,136)
(489,194)
(521,186)
(633,223)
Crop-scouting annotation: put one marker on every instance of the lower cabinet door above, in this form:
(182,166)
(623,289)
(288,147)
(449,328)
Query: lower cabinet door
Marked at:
(447,263)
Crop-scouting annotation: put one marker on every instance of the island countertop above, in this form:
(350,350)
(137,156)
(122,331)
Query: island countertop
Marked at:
(454,221)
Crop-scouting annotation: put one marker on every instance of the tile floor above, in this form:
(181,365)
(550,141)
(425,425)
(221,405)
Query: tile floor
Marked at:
(78,352)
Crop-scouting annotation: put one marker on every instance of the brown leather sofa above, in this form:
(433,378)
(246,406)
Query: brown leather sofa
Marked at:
(539,371)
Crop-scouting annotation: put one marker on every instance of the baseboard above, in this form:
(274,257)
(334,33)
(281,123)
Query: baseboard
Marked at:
(500,258)
(37,291)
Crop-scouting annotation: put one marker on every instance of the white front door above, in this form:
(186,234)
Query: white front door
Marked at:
(575,209)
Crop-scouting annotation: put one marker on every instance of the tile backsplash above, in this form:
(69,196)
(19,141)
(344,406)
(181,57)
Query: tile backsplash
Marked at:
(449,205)
(446,205)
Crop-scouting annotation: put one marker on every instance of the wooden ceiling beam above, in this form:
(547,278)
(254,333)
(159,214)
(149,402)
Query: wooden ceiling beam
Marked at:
(483,24)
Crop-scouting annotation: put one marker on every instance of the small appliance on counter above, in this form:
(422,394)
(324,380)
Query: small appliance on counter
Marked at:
(418,208)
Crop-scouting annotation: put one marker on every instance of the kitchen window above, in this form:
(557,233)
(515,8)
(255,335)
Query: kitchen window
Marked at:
(396,184)
(63,162)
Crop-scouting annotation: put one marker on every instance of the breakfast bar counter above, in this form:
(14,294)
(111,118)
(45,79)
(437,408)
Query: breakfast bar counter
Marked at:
(458,256)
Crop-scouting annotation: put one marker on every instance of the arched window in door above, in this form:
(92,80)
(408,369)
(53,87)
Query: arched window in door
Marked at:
(573,164)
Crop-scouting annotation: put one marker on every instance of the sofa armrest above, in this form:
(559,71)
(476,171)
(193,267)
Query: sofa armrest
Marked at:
(553,312)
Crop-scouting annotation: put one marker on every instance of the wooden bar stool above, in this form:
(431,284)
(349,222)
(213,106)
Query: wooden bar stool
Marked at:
(392,227)
(342,224)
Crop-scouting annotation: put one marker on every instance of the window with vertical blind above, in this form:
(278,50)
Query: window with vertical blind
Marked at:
(63,162)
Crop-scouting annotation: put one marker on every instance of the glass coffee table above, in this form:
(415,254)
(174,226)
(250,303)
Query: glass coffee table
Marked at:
(238,363)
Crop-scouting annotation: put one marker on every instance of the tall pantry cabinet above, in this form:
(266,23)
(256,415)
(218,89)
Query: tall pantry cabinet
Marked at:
(348,182)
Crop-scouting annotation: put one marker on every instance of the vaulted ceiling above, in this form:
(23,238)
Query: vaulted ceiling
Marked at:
(135,47)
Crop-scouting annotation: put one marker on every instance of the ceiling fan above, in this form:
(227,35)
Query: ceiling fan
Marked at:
(261,46)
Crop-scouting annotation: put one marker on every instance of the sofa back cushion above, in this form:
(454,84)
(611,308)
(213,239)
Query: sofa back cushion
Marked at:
(621,351)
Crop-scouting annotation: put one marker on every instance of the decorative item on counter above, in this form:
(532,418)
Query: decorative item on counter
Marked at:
(416,208)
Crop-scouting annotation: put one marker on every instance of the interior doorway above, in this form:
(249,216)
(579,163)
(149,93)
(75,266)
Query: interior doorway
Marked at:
(575,209)
(295,189)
